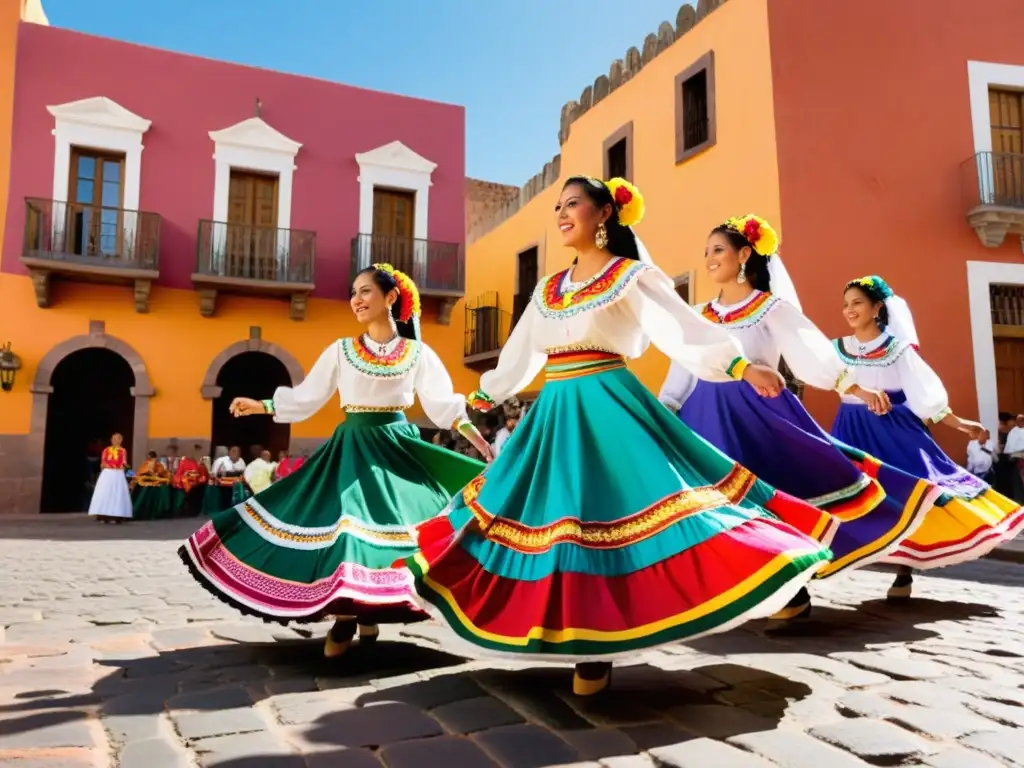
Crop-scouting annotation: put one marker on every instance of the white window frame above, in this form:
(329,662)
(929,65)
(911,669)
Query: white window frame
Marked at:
(253,145)
(982,275)
(102,124)
(395,166)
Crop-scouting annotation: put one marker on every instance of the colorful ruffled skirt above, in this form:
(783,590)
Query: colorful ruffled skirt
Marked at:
(152,502)
(968,520)
(606,526)
(776,439)
(323,540)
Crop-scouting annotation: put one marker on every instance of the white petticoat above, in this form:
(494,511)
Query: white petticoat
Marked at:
(111,497)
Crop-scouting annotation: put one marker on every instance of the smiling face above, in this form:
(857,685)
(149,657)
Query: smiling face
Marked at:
(722,259)
(368,300)
(578,216)
(116,439)
(859,309)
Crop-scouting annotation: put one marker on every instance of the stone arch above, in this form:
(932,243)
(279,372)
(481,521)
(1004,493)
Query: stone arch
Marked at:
(210,389)
(41,389)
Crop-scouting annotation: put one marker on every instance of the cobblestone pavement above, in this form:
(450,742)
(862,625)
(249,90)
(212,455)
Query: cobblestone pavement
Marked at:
(110,655)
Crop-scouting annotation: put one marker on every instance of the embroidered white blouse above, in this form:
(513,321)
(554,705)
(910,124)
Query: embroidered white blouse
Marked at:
(367,376)
(889,364)
(624,308)
(768,328)
(224,464)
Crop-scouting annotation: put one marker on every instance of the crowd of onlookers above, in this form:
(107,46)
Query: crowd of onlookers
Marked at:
(1000,460)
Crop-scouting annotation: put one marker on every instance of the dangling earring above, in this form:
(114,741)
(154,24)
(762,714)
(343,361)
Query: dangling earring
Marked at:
(601,236)
(741,277)
(878,321)
(391,320)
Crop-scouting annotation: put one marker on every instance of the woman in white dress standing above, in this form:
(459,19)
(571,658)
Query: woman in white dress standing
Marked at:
(111,501)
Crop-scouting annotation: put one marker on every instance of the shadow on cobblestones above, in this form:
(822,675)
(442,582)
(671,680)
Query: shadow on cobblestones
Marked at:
(530,718)
(80,527)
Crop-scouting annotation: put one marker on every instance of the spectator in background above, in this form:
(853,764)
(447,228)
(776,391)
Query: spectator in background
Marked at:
(1014,452)
(1004,465)
(504,434)
(980,457)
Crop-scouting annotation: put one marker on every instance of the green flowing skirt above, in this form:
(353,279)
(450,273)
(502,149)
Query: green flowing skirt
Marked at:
(606,526)
(325,539)
(153,502)
(218,497)
(215,498)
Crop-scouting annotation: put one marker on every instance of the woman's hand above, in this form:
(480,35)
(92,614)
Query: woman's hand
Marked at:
(486,452)
(246,406)
(971,428)
(877,401)
(766,381)
(477,441)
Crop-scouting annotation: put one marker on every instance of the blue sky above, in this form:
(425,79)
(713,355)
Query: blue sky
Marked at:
(511,64)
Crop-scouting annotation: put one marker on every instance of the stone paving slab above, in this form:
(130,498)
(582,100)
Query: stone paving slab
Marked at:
(112,657)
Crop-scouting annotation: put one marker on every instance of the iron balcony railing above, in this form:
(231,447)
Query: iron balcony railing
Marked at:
(249,252)
(994,178)
(75,233)
(487,326)
(434,266)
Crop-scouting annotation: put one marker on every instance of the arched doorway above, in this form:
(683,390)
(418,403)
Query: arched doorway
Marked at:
(91,399)
(252,374)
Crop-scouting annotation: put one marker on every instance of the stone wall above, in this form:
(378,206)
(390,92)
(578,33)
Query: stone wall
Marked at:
(485,197)
(620,72)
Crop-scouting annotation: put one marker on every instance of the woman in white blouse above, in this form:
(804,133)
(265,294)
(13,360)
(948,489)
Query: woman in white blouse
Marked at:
(605,526)
(325,540)
(875,506)
(969,519)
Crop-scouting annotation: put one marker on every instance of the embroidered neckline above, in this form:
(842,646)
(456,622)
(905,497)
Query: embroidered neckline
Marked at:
(382,349)
(568,285)
(749,312)
(879,352)
(556,297)
(395,362)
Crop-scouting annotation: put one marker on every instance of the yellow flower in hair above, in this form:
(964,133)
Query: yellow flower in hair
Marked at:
(628,201)
(759,233)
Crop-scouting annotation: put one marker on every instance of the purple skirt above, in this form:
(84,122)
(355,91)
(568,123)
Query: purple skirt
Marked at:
(878,505)
(901,439)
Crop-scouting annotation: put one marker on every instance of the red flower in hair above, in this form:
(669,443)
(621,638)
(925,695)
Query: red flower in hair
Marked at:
(623,196)
(752,231)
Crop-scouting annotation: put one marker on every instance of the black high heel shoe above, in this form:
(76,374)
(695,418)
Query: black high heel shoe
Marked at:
(591,677)
(368,634)
(797,609)
(902,587)
(339,638)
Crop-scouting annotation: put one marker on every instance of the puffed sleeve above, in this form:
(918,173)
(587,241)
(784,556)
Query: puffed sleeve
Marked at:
(926,396)
(519,362)
(293,404)
(678,386)
(807,351)
(437,394)
(705,349)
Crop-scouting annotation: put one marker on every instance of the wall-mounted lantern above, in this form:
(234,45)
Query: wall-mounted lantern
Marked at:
(10,363)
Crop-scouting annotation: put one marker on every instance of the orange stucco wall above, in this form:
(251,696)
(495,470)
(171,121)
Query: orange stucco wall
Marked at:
(10,15)
(178,345)
(684,202)
(873,119)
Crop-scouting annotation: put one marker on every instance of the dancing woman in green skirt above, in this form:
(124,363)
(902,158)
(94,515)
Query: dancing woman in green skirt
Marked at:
(323,540)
